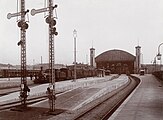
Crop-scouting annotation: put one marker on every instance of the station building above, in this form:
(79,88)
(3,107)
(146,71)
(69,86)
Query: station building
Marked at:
(117,61)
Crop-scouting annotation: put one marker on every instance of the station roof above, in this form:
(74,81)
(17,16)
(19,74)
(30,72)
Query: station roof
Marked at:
(115,55)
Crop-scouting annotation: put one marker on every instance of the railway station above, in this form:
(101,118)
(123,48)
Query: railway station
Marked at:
(117,61)
(113,85)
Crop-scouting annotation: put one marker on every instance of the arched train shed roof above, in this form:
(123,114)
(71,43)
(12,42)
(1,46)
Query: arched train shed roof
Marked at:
(115,55)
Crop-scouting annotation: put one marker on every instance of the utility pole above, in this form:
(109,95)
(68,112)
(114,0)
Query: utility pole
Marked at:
(41,60)
(159,54)
(22,24)
(52,31)
(75,36)
(8,72)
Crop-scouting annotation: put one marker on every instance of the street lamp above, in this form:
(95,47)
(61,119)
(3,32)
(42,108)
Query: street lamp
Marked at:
(75,36)
(8,72)
(154,63)
(159,54)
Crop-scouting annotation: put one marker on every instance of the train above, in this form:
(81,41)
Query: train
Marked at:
(64,74)
(5,73)
(42,76)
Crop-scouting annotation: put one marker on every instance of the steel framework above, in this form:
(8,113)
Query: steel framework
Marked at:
(23,26)
(51,54)
(52,31)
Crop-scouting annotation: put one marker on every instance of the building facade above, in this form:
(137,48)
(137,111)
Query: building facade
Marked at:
(138,59)
(117,61)
(92,57)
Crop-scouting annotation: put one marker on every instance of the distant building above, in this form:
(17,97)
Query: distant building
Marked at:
(92,57)
(117,61)
(137,61)
(150,68)
(79,66)
(31,67)
(46,66)
(7,66)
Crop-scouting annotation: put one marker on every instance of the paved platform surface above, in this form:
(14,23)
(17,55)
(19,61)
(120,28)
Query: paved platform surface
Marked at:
(78,97)
(145,103)
(60,87)
(82,92)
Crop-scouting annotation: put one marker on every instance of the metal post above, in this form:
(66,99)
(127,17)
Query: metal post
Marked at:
(159,47)
(41,60)
(159,54)
(33,64)
(51,54)
(8,72)
(23,26)
(75,35)
(52,31)
(155,63)
(23,50)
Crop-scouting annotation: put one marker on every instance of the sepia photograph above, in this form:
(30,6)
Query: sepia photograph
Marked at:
(81,60)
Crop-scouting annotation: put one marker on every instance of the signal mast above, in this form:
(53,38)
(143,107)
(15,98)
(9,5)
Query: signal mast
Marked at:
(52,31)
(22,24)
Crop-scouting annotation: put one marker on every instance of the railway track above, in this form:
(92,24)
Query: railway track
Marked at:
(16,103)
(104,109)
(99,109)
(31,100)
(11,89)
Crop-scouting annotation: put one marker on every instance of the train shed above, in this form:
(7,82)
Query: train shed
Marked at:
(117,61)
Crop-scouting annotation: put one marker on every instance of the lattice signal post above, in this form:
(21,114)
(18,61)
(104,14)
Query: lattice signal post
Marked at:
(52,31)
(22,24)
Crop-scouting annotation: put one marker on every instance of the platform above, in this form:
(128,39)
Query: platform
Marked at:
(145,103)
(82,92)
(60,87)
(78,97)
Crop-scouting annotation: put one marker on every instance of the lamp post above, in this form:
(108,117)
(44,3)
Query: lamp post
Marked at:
(154,63)
(8,72)
(75,36)
(159,54)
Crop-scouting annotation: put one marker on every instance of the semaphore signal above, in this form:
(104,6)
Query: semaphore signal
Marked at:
(52,31)
(22,24)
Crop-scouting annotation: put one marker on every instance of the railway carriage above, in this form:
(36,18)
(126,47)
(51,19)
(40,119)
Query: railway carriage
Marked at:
(42,76)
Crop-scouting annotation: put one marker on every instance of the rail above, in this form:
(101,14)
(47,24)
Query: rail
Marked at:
(103,110)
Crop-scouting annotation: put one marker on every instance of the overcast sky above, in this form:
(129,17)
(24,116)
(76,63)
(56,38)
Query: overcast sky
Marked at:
(105,24)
